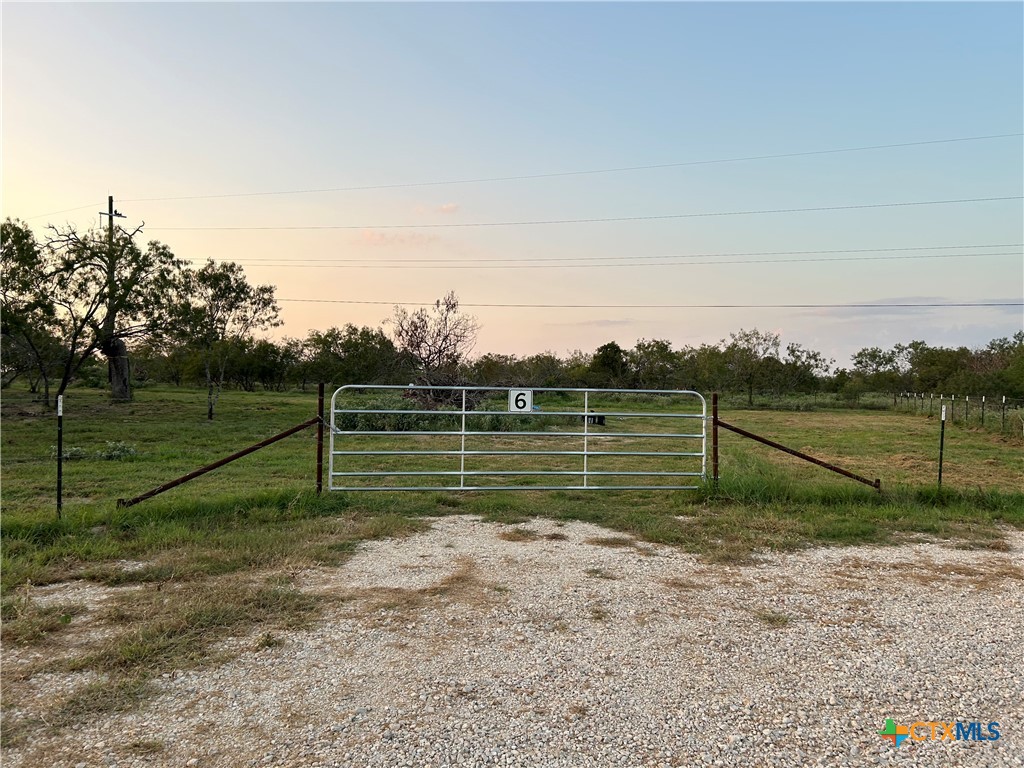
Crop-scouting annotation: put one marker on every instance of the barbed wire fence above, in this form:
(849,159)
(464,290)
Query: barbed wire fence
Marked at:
(998,413)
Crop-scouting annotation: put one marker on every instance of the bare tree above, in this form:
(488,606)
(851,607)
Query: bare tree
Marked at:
(437,339)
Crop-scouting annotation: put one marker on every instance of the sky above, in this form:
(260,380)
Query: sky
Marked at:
(361,155)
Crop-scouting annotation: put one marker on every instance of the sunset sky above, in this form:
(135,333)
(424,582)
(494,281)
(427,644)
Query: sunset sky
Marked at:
(434,137)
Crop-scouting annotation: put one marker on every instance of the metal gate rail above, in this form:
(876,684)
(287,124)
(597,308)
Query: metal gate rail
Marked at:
(340,479)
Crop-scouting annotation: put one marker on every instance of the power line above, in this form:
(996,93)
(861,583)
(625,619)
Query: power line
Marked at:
(578,173)
(636,258)
(66,210)
(635,265)
(596,220)
(667,306)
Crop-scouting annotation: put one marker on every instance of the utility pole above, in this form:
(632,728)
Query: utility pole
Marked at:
(111,214)
(120,382)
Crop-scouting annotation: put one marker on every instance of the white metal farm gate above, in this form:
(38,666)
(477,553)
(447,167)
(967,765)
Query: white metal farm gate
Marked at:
(426,438)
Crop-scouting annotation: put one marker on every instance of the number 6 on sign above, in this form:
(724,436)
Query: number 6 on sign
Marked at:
(520,400)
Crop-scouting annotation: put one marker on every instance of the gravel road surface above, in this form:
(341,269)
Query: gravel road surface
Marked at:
(477,644)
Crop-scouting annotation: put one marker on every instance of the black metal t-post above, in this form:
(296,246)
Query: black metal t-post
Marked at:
(942,443)
(60,455)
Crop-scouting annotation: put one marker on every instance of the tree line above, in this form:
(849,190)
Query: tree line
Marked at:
(72,302)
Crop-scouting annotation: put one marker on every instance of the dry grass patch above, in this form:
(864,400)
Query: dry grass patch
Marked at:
(988,575)
(611,541)
(577,711)
(519,534)
(146,746)
(101,697)
(146,632)
(26,622)
(175,627)
(984,575)
(463,585)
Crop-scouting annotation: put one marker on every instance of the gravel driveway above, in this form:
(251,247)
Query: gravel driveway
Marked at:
(567,645)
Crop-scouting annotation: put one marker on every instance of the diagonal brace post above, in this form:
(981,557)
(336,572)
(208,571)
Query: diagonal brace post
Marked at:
(121,503)
(876,484)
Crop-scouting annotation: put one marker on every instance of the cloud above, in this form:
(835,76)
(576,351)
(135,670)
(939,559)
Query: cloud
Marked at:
(448,208)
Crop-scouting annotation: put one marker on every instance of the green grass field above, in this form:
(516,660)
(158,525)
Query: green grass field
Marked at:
(766,498)
(230,541)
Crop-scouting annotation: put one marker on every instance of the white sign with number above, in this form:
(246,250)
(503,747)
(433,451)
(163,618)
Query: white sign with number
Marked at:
(520,400)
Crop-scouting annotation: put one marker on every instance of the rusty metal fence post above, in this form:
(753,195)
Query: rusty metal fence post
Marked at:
(714,439)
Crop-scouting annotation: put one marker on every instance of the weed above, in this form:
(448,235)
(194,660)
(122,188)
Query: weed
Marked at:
(117,451)
(599,613)
(268,640)
(772,618)
(70,453)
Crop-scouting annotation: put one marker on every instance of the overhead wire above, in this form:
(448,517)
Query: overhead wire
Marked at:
(66,210)
(556,174)
(836,259)
(589,172)
(899,305)
(592,220)
(247,260)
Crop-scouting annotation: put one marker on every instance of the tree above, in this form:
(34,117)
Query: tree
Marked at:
(352,355)
(577,368)
(654,364)
(218,309)
(608,368)
(702,368)
(28,344)
(77,295)
(803,369)
(543,370)
(497,370)
(106,292)
(746,354)
(438,340)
